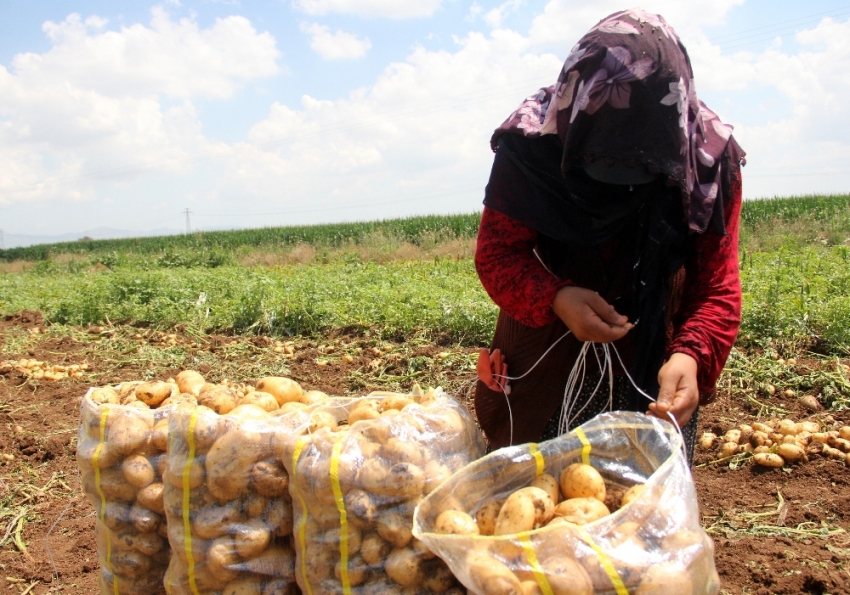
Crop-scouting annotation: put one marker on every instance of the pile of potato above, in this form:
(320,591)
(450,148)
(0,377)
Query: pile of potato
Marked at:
(359,468)
(227,492)
(121,453)
(38,370)
(537,519)
(775,443)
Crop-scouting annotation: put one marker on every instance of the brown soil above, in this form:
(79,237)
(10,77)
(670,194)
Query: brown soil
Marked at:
(776,531)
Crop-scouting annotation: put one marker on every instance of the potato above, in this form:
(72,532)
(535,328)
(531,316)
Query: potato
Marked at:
(581,511)
(403,480)
(396,450)
(707,441)
(404,566)
(361,508)
(278,516)
(264,401)
(130,564)
(126,433)
(792,453)
(250,538)
(396,402)
(105,394)
(729,449)
(290,407)
(107,455)
(190,381)
(115,487)
(544,508)
(251,585)
(395,528)
(843,432)
(159,435)
(435,474)
(255,505)
(229,462)
(665,578)
(530,588)
(285,390)
(148,544)
(437,577)
(144,520)
(788,427)
(248,411)
(214,521)
(219,399)
(487,515)
(567,577)
(357,570)
(269,479)
(281,586)
(151,497)
(116,515)
(313,397)
(275,561)
(138,471)
(633,493)
(548,484)
(319,561)
(374,550)
(222,559)
(322,419)
(582,481)
(364,410)
(177,473)
(767,459)
(733,435)
(455,522)
(126,389)
(153,393)
(491,577)
(516,515)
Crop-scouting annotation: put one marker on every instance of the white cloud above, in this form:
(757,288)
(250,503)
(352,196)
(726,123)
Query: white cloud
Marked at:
(335,46)
(393,9)
(91,107)
(494,17)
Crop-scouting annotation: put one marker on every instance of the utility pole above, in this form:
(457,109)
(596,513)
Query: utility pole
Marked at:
(2,245)
(188,227)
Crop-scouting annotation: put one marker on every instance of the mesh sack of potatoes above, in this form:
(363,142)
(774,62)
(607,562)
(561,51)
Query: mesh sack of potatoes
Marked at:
(358,469)
(608,508)
(227,503)
(121,454)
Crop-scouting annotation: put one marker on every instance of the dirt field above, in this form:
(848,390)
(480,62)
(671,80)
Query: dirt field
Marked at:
(776,531)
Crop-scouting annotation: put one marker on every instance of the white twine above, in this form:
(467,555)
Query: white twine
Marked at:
(575,383)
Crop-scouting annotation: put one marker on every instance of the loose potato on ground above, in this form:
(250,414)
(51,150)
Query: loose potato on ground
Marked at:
(582,481)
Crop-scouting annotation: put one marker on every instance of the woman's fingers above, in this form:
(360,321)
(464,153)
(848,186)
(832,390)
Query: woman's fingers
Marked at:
(484,369)
(589,316)
(492,370)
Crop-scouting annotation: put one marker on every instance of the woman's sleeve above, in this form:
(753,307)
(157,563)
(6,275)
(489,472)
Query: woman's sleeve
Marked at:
(510,272)
(707,322)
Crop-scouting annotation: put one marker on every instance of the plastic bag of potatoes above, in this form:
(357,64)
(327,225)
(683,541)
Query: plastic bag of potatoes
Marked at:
(358,469)
(227,503)
(121,454)
(608,508)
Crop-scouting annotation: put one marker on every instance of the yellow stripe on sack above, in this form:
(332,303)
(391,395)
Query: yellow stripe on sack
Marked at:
(538,458)
(187,499)
(605,562)
(302,523)
(531,556)
(95,461)
(343,516)
(585,446)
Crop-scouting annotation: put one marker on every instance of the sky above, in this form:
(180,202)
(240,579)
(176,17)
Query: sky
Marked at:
(124,114)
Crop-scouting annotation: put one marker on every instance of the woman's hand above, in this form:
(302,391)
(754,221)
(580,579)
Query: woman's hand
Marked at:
(588,316)
(679,393)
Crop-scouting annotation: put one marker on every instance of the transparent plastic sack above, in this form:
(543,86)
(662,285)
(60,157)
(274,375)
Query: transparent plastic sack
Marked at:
(359,467)
(121,454)
(227,503)
(652,545)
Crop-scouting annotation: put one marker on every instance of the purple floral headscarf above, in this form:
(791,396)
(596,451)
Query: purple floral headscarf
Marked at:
(626,93)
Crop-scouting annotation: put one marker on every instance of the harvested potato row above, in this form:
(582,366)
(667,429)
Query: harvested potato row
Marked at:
(522,524)
(776,443)
(227,499)
(121,454)
(359,467)
(38,370)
